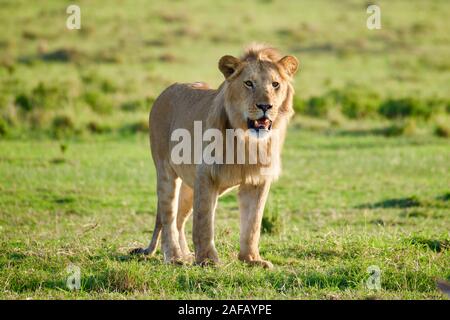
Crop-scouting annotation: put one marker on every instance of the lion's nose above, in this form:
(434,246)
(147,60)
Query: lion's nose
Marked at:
(264,107)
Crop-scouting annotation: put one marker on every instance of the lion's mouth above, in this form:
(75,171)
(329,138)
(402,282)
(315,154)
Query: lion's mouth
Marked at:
(262,123)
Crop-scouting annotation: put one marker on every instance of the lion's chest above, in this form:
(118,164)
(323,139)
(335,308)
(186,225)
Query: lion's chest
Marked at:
(228,176)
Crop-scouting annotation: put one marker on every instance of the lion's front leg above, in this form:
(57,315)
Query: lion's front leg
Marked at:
(205,200)
(252,200)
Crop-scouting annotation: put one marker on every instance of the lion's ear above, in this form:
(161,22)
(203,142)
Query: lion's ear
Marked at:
(290,64)
(228,65)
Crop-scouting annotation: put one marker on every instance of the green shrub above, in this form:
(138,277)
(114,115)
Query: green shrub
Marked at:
(62,125)
(4,128)
(135,127)
(317,106)
(272,222)
(354,101)
(357,102)
(405,107)
(442,130)
(23,102)
(299,105)
(98,102)
(43,96)
(135,105)
(393,130)
(97,128)
(94,80)
(107,86)
(438,105)
(407,128)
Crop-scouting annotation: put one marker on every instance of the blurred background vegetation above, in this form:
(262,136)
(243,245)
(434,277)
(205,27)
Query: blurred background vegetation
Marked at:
(103,78)
(366,160)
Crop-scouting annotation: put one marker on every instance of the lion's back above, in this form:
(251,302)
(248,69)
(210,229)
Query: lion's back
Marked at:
(181,96)
(178,106)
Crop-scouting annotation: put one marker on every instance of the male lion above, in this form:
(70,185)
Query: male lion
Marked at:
(257,95)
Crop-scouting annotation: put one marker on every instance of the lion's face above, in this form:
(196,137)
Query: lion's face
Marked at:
(257,90)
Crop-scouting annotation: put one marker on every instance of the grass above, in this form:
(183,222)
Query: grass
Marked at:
(366,162)
(87,75)
(346,202)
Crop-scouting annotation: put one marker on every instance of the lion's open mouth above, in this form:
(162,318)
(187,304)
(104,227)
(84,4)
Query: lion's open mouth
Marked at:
(262,123)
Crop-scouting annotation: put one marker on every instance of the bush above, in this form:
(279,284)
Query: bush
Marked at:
(407,128)
(4,128)
(62,125)
(42,97)
(298,104)
(98,102)
(272,222)
(135,127)
(393,130)
(354,102)
(136,105)
(405,107)
(96,128)
(442,130)
(357,102)
(23,102)
(318,106)
(33,107)
(438,105)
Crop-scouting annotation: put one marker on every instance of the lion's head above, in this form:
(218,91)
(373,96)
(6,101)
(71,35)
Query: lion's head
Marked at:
(258,91)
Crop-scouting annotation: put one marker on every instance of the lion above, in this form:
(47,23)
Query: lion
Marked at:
(256,97)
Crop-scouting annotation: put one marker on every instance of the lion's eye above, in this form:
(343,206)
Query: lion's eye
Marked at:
(275,84)
(248,83)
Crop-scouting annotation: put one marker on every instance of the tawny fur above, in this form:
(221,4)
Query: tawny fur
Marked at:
(184,188)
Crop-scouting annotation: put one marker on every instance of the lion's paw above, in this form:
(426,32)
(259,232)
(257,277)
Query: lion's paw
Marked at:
(208,258)
(255,260)
(261,263)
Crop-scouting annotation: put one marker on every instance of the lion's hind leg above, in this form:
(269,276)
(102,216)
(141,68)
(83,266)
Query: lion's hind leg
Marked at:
(168,188)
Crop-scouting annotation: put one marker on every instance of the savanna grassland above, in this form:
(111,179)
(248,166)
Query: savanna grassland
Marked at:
(366,165)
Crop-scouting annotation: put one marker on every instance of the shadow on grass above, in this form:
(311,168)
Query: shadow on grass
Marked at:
(16,256)
(339,278)
(127,257)
(280,281)
(408,202)
(106,281)
(321,254)
(432,244)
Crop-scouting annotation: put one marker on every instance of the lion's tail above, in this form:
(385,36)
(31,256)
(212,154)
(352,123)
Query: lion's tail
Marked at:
(151,249)
(156,236)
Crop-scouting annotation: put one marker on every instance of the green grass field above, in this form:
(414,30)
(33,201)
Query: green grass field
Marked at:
(342,205)
(366,165)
